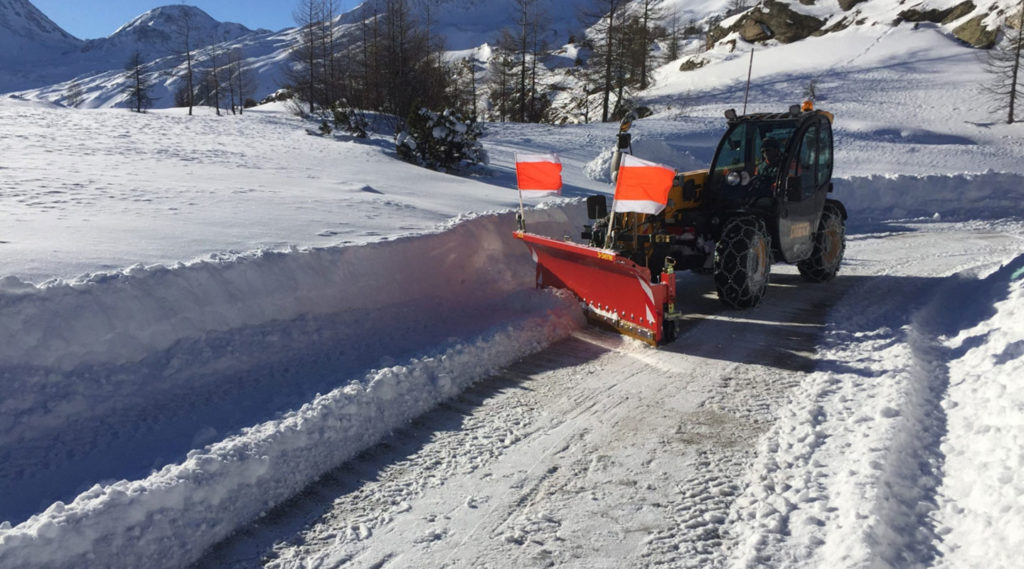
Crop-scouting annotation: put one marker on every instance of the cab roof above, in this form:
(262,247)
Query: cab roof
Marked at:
(794,113)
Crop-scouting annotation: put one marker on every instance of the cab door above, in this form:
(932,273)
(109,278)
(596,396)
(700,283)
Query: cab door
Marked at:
(806,176)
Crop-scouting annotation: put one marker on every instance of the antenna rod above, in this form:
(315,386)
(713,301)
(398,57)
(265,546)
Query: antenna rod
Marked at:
(750,70)
(521,216)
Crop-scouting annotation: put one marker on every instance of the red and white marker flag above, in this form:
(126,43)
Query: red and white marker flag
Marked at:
(642,186)
(539,174)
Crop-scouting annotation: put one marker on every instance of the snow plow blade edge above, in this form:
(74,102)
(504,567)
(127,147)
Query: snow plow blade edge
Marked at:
(612,289)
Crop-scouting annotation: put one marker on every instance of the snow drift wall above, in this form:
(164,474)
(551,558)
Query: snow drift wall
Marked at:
(135,339)
(120,317)
(83,358)
(992,195)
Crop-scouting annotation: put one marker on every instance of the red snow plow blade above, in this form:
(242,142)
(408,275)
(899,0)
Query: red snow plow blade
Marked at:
(612,289)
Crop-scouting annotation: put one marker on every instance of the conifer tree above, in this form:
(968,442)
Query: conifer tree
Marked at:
(674,39)
(74,95)
(240,78)
(501,78)
(527,44)
(648,31)
(403,63)
(137,91)
(1004,65)
(187,39)
(306,72)
(213,78)
(605,63)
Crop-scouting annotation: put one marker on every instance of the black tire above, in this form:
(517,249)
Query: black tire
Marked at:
(743,262)
(829,247)
(669,331)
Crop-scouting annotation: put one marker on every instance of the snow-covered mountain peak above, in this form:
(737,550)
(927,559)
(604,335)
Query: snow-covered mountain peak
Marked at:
(23,28)
(162,32)
(35,52)
(160,29)
(173,17)
(167,16)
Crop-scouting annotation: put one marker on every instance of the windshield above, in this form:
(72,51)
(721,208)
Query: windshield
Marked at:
(752,147)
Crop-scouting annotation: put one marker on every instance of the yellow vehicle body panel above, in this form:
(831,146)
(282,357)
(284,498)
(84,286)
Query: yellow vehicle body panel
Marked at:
(678,199)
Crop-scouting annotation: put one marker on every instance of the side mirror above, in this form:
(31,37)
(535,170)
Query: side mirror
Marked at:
(597,207)
(794,189)
(690,193)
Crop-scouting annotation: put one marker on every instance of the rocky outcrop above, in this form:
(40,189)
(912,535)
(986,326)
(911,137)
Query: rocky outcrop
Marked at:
(773,20)
(975,33)
(946,16)
(693,63)
(847,5)
(752,31)
(779,20)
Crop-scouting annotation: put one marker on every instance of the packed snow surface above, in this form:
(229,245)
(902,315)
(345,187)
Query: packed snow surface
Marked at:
(201,317)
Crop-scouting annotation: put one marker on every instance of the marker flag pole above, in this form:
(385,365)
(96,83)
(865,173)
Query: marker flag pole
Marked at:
(521,218)
(537,175)
(640,187)
(611,224)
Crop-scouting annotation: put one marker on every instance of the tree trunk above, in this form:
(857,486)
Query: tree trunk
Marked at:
(185,31)
(1015,74)
(609,56)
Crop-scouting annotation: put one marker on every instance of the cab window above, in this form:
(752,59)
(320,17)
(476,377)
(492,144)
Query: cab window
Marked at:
(732,156)
(824,154)
(804,164)
(773,136)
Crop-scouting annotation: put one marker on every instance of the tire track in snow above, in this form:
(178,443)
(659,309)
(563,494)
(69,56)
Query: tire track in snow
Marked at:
(366,495)
(848,476)
(773,347)
(626,456)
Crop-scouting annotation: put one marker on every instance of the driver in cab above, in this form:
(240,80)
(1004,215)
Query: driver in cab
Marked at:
(771,158)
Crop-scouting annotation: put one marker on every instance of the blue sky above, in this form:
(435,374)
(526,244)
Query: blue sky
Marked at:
(90,20)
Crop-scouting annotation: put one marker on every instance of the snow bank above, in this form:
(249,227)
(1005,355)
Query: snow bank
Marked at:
(119,317)
(896,431)
(650,148)
(84,357)
(169,518)
(73,352)
(991,195)
(981,509)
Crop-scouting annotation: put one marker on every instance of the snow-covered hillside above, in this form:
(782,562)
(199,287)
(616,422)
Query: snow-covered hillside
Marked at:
(467,24)
(30,43)
(37,54)
(27,30)
(158,33)
(96,64)
(470,30)
(204,321)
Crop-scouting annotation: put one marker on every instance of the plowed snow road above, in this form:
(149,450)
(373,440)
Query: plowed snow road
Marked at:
(601,452)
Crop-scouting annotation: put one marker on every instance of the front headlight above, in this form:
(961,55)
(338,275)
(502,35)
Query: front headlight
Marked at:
(733,178)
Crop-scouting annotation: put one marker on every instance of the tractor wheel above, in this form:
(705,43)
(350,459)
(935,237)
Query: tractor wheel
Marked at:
(742,262)
(669,331)
(829,245)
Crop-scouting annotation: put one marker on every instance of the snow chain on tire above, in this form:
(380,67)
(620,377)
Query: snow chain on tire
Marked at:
(829,246)
(743,262)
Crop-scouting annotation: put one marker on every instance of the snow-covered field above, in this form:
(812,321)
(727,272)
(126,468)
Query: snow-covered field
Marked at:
(201,317)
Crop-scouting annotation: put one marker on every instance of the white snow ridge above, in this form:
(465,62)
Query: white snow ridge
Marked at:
(326,304)
(226,343)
